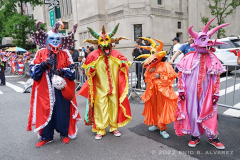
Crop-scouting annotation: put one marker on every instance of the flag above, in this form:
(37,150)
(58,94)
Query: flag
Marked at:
(5,59)
(8,54)
(14,57)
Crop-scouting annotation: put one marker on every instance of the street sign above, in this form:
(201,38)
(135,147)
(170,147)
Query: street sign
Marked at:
(56,3)
(52,17)
(47,1)
(63,32)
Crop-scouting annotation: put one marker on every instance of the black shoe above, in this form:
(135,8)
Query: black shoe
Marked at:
(194,141)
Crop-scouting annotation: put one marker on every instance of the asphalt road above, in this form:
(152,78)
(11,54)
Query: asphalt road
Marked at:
(136,141)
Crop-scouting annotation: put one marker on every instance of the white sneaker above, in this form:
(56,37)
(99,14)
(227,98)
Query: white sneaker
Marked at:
(116,133)
(98,136)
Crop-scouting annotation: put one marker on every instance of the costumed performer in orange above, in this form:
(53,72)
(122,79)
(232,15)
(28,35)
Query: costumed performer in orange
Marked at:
(159,97)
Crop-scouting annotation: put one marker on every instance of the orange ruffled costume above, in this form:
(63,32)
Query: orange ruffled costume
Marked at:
(160,98)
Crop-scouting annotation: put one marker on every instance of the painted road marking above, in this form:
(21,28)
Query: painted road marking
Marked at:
(16,88)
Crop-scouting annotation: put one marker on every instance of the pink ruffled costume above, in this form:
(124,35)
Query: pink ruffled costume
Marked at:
(199,80)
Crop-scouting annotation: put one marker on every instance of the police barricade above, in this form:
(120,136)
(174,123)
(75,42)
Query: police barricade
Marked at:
(229,91)
(136,79)
(26,70)
(80,76)
(229,96)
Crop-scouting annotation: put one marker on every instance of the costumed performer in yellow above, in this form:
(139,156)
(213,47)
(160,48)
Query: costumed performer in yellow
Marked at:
(107,86)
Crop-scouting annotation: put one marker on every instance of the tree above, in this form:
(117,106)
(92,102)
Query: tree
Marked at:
(221,9)
(18,25)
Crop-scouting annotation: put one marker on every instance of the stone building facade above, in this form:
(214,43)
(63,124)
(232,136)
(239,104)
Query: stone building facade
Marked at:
(161,19)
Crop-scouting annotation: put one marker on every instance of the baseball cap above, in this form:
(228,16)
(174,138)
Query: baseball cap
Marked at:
(176,38)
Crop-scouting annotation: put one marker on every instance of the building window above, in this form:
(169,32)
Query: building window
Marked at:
(179,25)
(137,31)
(159,2)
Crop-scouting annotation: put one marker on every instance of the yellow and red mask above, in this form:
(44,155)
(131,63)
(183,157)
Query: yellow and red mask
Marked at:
(104,40)
(156,53)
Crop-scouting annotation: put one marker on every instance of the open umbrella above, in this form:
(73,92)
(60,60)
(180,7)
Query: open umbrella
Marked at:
(16,49)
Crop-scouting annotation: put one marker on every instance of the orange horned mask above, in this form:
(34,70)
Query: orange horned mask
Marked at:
(156,53)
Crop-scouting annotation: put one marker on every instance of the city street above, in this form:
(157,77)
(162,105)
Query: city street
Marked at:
(136,141)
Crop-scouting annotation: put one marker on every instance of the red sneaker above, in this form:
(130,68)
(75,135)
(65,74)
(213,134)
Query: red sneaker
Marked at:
(116,133)
(194,142)
(216,143)
(98,136)
(43,142)
(65,140)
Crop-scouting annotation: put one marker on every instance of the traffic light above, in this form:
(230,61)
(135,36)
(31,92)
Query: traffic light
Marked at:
(65,25)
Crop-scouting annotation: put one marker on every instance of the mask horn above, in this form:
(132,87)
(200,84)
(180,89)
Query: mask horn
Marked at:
(192,33)
(114,40)
(145,47)
(212,31)
(73,31)
(56,26)
(114,31)
(93,33)
(150,40)
(103,30)
(205,29)
(38,28)
(91,41)
(160,47)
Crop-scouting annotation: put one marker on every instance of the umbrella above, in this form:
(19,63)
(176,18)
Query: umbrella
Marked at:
(16,49)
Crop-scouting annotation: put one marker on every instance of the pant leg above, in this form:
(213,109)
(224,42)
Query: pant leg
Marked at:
(3,79)
(101,116)
(48,130)
(61,114)
(113,111)
(176,70)
(138,73)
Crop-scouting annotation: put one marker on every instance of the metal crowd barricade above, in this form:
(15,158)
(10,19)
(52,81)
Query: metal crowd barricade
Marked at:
(80,76)
(26,70)
(136,79)
(234,71)
(227,96)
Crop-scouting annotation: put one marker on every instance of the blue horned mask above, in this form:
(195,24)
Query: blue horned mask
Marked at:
(52,40)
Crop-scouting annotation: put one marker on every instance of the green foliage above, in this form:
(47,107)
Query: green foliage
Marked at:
(17,25)
(221,9)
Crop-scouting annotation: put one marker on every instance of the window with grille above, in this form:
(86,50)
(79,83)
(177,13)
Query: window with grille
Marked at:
(137,31)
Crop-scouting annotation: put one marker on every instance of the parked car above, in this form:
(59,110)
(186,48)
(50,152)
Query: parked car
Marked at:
(224,55)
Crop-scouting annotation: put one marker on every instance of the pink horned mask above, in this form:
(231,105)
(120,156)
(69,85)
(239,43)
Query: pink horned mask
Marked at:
(202,40)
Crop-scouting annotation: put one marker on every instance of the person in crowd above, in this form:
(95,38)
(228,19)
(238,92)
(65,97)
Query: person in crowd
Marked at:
(176,47)
(2,70)
(53,101)
(81,52)
(198,88)
(160,98)
(137,51)
(90,49)
(74,54)
(184,49)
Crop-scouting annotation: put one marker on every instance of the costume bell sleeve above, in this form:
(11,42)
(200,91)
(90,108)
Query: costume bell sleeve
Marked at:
(216,81)
(167,75)
(36,71)
(181,84)
(69,72)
